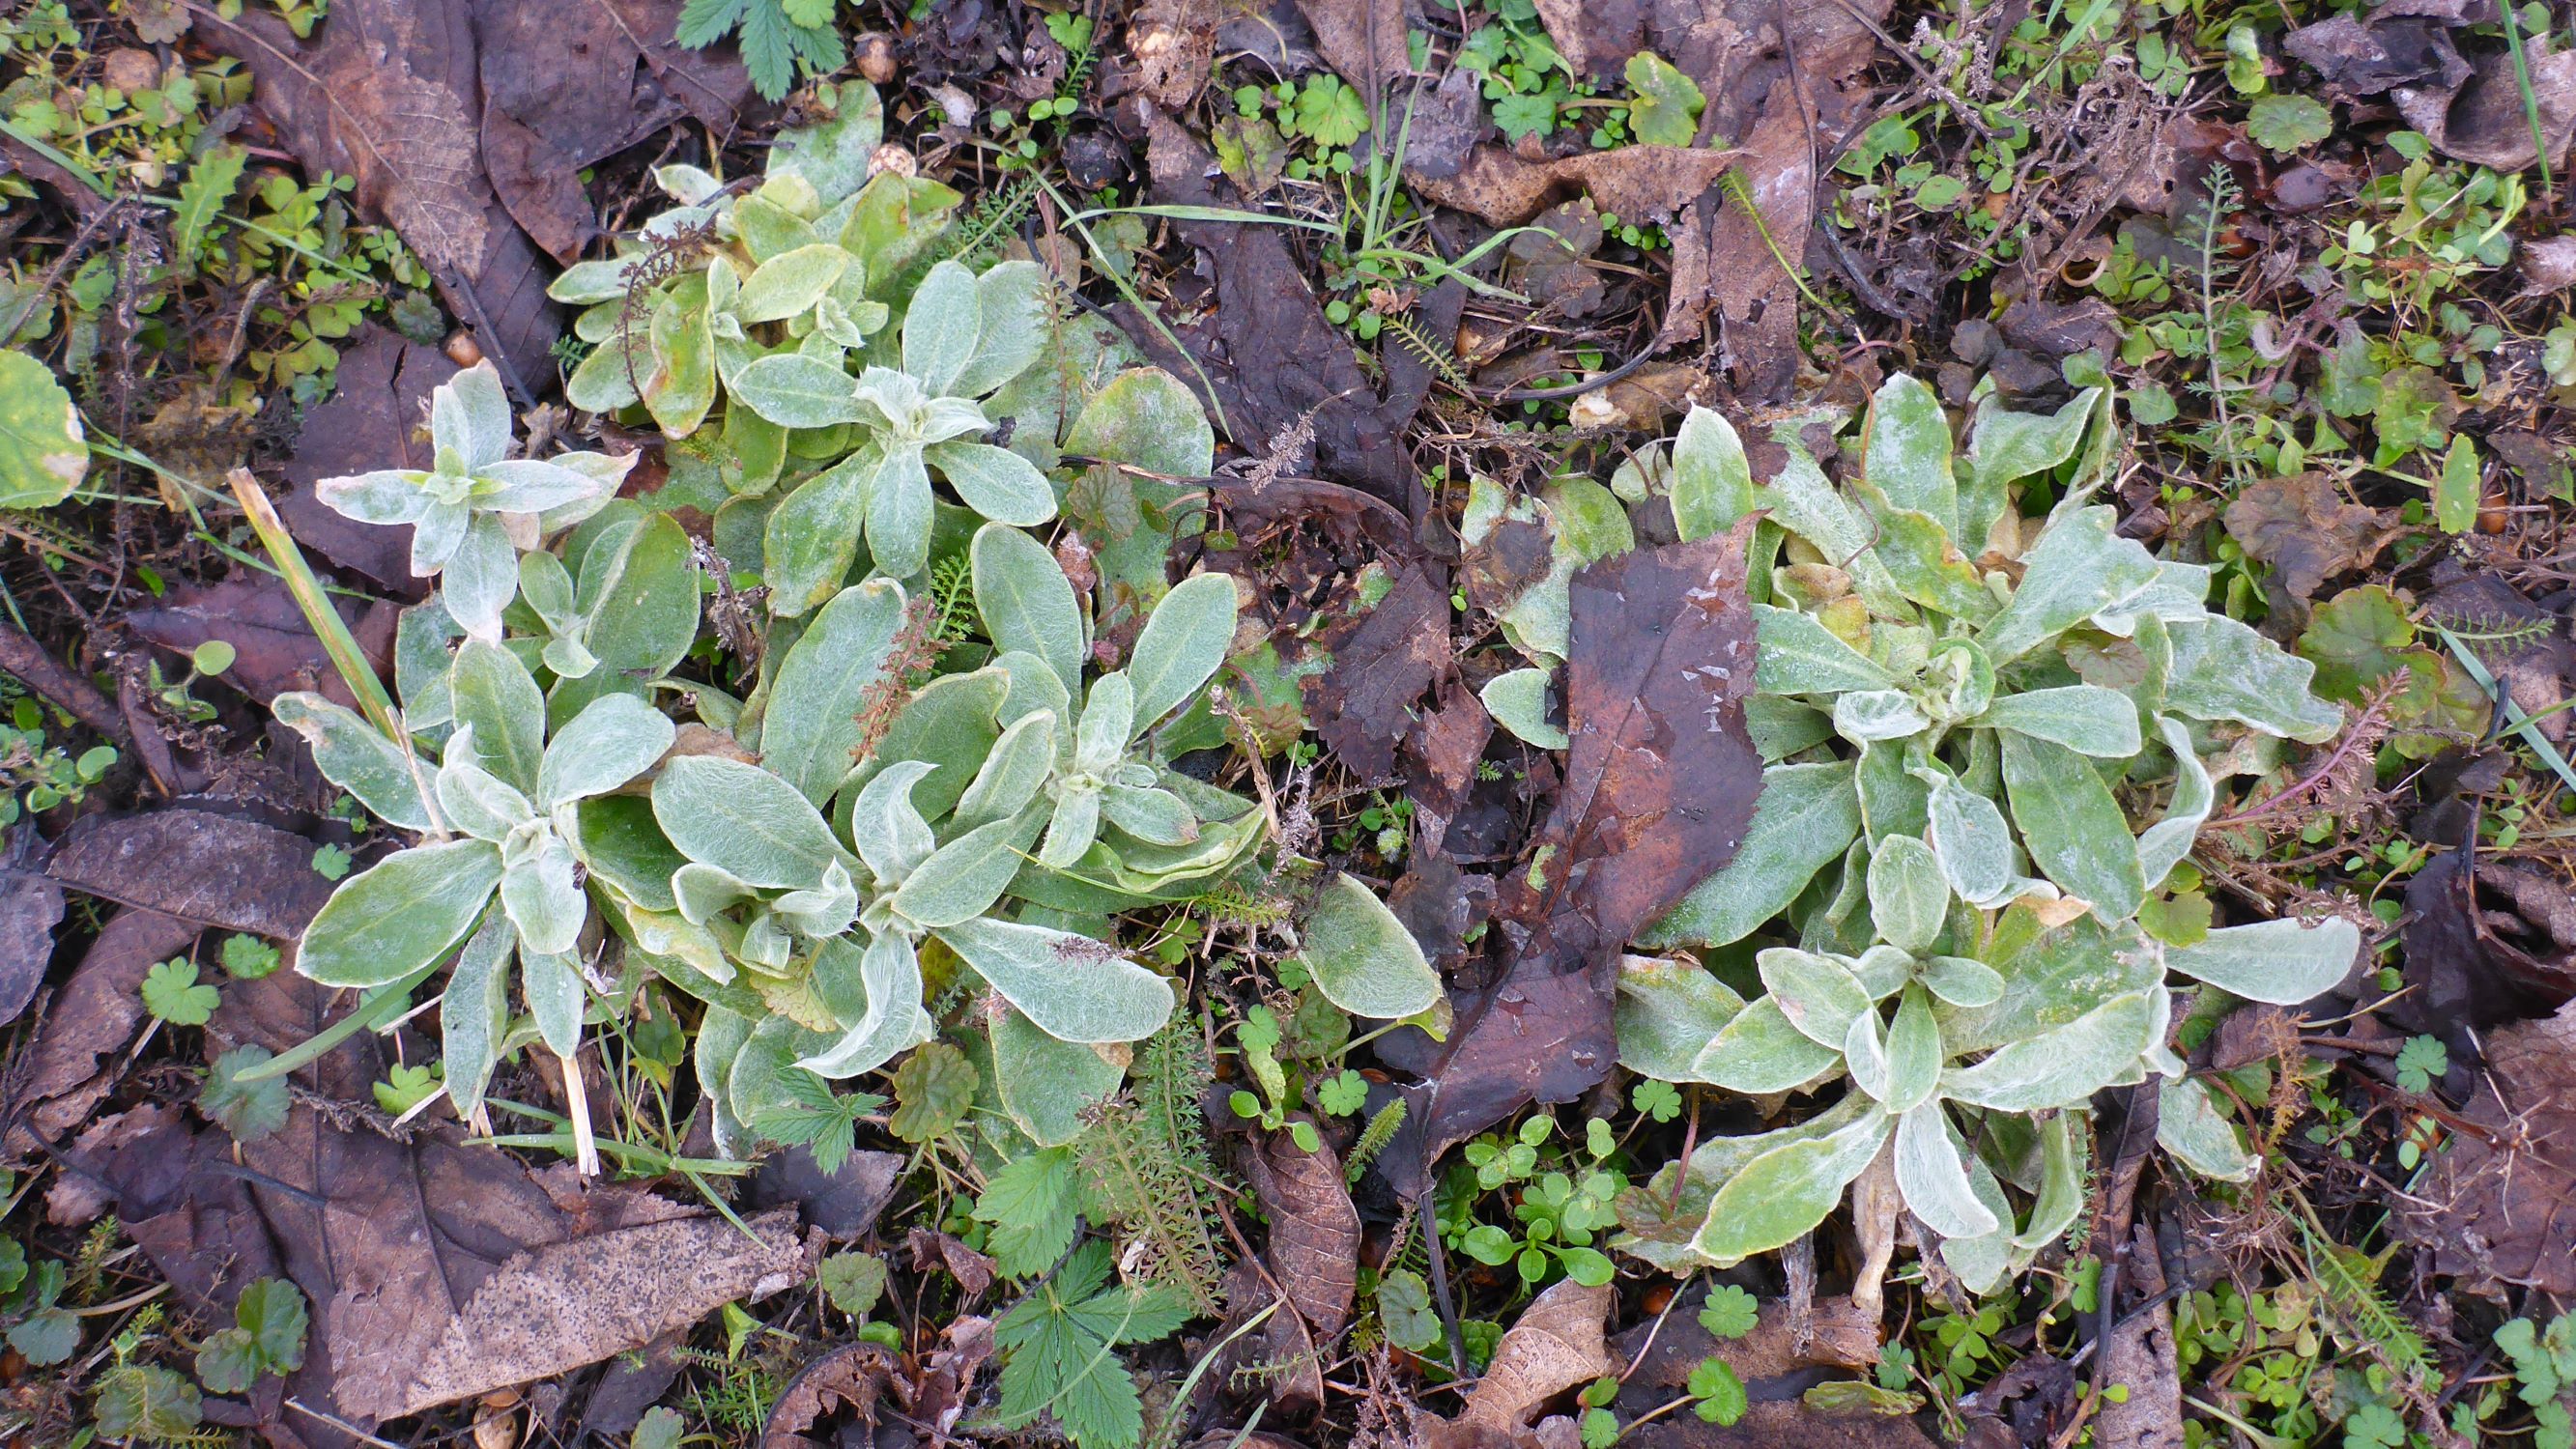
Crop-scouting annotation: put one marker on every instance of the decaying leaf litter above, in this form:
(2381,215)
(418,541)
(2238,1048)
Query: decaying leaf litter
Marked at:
(1884,762)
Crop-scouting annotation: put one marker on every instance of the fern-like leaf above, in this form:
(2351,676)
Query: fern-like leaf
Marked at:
(1146,1168)
(1380,1131)
(2348,1282)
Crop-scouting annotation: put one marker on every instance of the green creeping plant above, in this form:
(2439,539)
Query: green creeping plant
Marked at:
(767,300)
(509,886)
(813,860)
(1939,826)
(476,507)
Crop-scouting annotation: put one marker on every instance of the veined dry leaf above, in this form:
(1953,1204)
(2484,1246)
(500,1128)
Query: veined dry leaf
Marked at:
(435,1270)
(1556,1344)
(1646,183)
(1659,789)
(1314,1230)
(1173,40)
(215,870)
(386,93)
(852,1376)
(1662,776)
(1272,358)
(2304,528)
(30,907)
(93,1017)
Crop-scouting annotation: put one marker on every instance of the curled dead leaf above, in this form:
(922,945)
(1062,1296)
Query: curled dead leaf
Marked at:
(1314,1229)
(1557,1343)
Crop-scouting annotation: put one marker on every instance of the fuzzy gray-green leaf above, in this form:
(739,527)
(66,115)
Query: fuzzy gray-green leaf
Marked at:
(2075,829)
(1798,655)
(1074,988)
(2083,717)
(1781,1195)
(813,725)
(400,914)
(1803,819)
(744,821)
(1026,602)
(1181,646)
(2283,962)
(1362,957)
(357,757)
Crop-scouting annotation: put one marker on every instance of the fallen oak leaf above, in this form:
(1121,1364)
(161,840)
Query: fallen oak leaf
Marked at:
(1660,783)
(436,1270)
(385,93)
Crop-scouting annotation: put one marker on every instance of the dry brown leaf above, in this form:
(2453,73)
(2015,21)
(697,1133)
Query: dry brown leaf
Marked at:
(2141,1358)
(2503,1212)
(1314,1229)
(852,1376)
(2305,528)
(1362,39)
(216,870)
(1556,1345)
(1172,41)
(2483,120)
(1638,183)
(386,93)
(566,1306)
(93,1017)
(435,1270)
(30,907)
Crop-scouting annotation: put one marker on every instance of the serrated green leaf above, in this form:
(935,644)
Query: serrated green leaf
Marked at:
(172,993)
(248,1110)
(209,185)
(1666,106)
